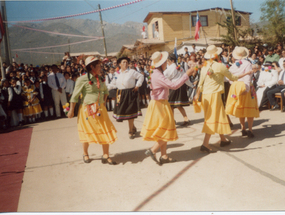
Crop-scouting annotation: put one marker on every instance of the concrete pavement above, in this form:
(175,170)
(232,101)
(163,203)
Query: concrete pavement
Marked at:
(247,175)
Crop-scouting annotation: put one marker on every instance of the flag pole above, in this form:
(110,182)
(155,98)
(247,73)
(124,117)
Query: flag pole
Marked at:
(2,68)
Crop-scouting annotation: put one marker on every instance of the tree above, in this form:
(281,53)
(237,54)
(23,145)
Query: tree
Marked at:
(273,13)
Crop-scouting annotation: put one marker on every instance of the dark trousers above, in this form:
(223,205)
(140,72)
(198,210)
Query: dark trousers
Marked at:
(271,94)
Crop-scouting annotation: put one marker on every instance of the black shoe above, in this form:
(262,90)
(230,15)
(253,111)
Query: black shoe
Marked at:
(276,107)
(108,161)
(131,135)
(243,133)
(205,149)
(186,123)
(167,160)
(86,161)
(21,123)
(225,143)
(149,153)
(250,134)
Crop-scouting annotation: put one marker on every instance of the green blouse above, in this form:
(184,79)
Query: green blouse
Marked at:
(89,92)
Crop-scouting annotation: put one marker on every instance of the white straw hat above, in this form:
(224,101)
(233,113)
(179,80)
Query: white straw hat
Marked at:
(90,59)
(212,50)
(158,58)
(240,53)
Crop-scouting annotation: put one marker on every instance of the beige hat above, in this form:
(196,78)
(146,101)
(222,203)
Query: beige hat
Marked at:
(158,58)
(90,59)
(240,53)
(211,51)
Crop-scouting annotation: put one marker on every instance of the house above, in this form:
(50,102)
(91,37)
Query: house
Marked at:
(164,27)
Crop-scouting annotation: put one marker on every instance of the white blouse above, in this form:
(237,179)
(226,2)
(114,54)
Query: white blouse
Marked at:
(126,80)
(269,79)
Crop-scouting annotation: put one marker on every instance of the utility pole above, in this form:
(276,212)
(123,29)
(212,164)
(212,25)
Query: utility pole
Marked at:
(68,45)
(6,35)
(234,20)
(103,34)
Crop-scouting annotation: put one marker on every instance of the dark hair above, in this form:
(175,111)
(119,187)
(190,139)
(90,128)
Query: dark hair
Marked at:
(27,79)
(66,73)
(172,57)
(88,68)
(74,76)
(276,63)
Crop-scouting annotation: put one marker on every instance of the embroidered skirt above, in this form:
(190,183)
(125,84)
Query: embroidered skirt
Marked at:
(95,129)
(159,122)
(216,120)
(242,105)
(128,107)
(179,97)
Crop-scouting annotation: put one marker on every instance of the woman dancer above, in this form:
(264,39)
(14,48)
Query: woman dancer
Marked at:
(212,86)
(159,125)
(243,92)
(127,100)
(177,98)
(94,125)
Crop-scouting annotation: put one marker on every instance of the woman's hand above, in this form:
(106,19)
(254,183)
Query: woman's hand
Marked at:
(70,114)
(135,89)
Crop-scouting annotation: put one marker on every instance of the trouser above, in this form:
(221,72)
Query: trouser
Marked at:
(264,99)
(57,98)
(271,94)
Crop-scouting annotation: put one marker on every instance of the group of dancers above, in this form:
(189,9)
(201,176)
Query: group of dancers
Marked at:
(168,90)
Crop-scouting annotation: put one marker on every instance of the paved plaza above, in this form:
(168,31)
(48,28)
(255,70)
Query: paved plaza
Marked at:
(247,175)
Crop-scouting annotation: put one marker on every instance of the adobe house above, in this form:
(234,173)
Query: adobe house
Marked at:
(164,27)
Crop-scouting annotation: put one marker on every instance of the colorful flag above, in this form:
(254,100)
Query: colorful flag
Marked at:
(17,55)
(2,30)
(198,25)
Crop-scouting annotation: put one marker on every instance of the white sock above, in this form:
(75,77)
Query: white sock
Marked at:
(108,106)
(113,104)
(34,119)
(51,111)
(30,119)
(38,115)
(46,113)
(20,115)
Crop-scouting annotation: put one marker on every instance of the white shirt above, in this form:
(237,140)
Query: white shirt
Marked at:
(281,60)
(108,83)
(174,75)
(52,83)
(10,93)
(269,79)
(126,80)
(144,35)
(69,86)
(280,76)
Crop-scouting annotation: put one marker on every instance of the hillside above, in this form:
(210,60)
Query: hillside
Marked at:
(116,36)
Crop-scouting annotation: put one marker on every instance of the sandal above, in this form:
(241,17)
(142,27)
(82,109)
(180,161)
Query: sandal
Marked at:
(86,161)
(186,123)
(205,149)
(149,153)
(108,161)
(134,130)
(167,160)
(131,135)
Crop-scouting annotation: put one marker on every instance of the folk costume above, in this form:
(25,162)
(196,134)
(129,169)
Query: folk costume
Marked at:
(31,103)
(127,101)
(244,105)
(179,96)
(94,124)
(212,87)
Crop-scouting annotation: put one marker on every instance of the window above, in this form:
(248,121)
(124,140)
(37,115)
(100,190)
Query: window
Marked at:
(238,20)
(155,30)
(203,20)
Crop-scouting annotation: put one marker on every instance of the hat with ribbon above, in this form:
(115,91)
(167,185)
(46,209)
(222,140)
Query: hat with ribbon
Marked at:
(240,53)
(212,51)
(158,58)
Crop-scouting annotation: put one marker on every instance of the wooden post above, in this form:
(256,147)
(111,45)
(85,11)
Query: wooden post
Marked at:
(103,34)
(234,20)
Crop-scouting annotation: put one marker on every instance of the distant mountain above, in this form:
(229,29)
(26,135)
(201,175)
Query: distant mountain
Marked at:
(116,35)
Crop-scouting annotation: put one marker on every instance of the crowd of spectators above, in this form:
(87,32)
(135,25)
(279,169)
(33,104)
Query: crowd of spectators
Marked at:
(51,86)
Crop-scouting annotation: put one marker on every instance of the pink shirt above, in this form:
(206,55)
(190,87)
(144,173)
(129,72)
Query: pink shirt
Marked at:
(243,68)
(160,85)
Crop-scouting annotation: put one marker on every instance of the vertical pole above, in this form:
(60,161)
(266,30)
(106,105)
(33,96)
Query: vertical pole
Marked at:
(103,34)
(3,73)
(234,20)
(190,25)
(6,35)
(68,45)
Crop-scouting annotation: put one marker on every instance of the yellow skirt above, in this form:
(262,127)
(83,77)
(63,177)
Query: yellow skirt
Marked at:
(32,110)
(99,129)
(242,105)
(159,122)
(215,116)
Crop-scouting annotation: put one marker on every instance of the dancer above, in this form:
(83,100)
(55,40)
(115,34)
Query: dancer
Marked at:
(243,92)
(177,98)
(127,100)
(159,125)
(211,86)
(94,125)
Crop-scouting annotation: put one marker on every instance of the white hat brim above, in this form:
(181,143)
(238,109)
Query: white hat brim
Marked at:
(239,57)
(162,60)
(209,56)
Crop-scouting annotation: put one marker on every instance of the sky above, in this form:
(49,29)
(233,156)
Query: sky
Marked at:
(29,10)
